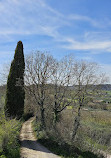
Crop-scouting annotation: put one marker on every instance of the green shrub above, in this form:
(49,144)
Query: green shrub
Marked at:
(9,139)
(2,156)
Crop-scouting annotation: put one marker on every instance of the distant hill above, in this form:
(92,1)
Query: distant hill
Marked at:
(106,87)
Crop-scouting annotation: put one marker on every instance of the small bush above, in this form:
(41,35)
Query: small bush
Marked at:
(9,139)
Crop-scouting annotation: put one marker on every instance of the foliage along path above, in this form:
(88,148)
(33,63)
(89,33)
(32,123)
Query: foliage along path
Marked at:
(30,148)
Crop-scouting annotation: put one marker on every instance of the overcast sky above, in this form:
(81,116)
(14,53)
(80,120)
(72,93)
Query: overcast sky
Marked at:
(61,27)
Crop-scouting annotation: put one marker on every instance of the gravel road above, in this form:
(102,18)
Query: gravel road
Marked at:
(30,148)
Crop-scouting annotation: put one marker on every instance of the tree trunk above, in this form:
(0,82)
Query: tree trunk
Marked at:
(43,126)
(55,117)
(76,123)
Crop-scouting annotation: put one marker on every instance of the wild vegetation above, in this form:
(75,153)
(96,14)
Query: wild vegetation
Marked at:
(69,106)
(9,132)
(68,98)
(12,106)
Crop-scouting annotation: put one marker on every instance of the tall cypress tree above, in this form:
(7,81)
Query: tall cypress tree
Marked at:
(15,94)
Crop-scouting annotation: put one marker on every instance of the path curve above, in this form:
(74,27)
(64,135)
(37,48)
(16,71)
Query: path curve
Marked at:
(30,148)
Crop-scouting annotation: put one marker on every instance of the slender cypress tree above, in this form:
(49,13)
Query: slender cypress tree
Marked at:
(15,94)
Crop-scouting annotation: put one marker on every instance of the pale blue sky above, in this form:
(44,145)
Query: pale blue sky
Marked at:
(61,27)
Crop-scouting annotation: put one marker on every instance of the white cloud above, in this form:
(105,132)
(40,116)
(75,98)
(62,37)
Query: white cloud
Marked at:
(88,45)
(25,17)
(93,21)
(28,17)
(84,18)
(109,50)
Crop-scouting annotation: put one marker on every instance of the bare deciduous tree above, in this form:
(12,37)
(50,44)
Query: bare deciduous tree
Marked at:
(86,79)
(39,67)
(60,80)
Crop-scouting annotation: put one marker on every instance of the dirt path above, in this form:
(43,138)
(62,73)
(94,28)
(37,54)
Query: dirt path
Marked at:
(30,148)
